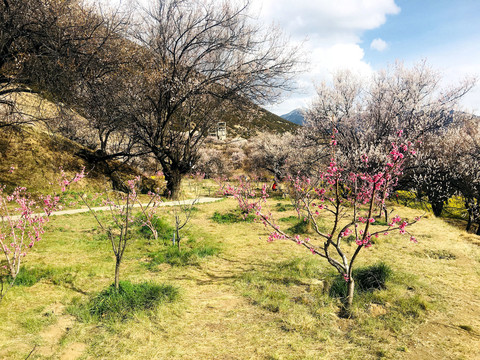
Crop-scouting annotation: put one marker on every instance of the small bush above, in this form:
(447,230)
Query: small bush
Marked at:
(187,256)
(367,278)
(231,217)
(113,304)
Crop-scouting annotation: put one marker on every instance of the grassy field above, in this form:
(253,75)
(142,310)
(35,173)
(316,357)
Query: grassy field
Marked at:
(240,297)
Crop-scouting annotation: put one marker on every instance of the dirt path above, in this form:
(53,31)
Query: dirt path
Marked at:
(53,334)
(201,200)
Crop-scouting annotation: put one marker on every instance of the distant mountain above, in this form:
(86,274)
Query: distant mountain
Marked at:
(295,116)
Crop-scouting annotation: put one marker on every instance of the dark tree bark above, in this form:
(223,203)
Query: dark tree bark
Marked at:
(437,207)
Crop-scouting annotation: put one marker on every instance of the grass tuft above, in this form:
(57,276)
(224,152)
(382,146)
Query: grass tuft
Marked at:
(367,278)
(164,229)
(186,256)
(437,254)
(283,207)
(232,217)
(113,304)
(30,276)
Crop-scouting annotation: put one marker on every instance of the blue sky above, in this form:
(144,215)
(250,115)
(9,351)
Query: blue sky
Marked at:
(425,27)
(368,35)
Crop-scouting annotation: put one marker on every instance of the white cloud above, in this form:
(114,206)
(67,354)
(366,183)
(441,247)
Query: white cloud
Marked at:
(378,44)
(333,30)
(326,20)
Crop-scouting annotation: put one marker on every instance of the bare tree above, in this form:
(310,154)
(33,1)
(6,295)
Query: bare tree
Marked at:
(285,154)
(200,56)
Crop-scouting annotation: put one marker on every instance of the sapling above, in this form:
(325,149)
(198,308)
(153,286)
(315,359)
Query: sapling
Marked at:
(182,214)
(349,199)
(120,219)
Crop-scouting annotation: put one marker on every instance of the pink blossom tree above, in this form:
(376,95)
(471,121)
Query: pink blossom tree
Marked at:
(348,198)
(22,221)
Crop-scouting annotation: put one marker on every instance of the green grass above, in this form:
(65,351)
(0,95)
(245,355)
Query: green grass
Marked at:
(231,217)
(368,278)
(189,254)
(285,285)
(113,304)
(163,227)
(238,301)
(306,296)
(30,276)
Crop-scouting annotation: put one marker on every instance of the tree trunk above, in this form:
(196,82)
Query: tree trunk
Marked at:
(178,239)
(174,180)
(437,207)
(117,273)
(475,211)
(351,288)
(347,305)
(470,218)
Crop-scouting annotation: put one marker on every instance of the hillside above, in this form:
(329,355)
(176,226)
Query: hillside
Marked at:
(36,153)
(249,123)
(32,157)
